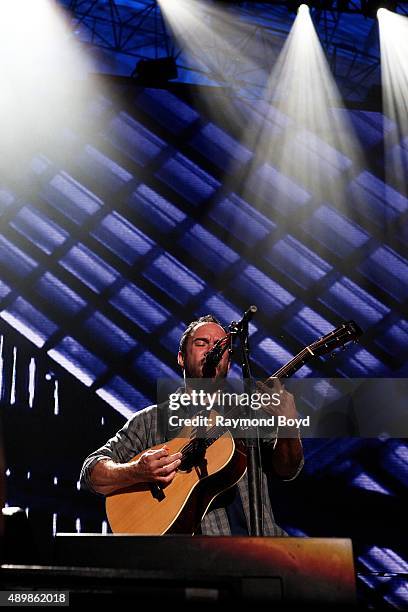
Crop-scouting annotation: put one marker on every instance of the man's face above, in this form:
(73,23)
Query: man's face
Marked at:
(200,341)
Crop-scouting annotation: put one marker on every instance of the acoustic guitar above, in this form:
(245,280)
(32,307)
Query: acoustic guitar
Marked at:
(209,465)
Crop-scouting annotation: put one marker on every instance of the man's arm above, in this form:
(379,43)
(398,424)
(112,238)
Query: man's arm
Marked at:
(285,455)
(158,466)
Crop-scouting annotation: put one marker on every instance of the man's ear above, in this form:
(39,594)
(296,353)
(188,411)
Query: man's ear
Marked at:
(180,360)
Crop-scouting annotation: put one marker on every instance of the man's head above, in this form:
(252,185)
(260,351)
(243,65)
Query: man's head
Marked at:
(199,337)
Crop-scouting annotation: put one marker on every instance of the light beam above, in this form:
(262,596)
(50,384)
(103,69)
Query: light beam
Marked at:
(394,74)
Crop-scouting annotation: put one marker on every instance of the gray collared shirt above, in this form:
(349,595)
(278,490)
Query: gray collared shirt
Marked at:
(147,428)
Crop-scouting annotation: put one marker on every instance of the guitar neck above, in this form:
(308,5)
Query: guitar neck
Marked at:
(292,366)
(346,332)
(284,372)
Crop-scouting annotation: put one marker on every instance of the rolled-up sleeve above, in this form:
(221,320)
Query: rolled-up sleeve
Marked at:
(134,437)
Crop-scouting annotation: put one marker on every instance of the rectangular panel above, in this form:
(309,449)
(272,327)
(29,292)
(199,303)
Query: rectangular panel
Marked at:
(259,289)
(278,190)
(119,394)
(103,169)
(187,179)
(171,339)
(89,268)
(271,356)
(387,270)
(297,262)
(4,290)
(40,230)
(156,209)
(167,109)
(242,220)
(7,198)
(338,234)
(151,367)
(70,197)
(63,299)
(362,364)
(77,360)
(107,336)
(173,278)
(317,156)
(133,139)
(223,310)
(122,238)
(352,302)
(220,148)
(139,307)
(15,260)
(376,200)
(307,326)
(395,339)
(395,460)
(208,249)
(29,321)
(368,124)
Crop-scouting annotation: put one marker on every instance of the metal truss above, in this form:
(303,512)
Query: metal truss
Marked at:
(367,8)
(135,29)
(121,27)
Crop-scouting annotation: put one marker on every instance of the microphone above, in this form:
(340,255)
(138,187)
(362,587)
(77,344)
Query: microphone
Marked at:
(246,317)
(213,357)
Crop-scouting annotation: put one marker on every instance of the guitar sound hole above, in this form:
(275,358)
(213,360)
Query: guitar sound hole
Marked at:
(193,455)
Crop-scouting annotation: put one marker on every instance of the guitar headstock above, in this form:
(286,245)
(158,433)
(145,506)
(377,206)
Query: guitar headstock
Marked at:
(348,331)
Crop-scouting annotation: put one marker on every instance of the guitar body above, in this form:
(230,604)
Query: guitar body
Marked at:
(147,509)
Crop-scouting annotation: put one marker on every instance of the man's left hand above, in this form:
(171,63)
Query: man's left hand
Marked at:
(286,407)
(286,458)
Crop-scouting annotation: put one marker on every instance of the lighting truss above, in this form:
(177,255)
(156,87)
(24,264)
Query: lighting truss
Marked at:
(131,30)
(122,27)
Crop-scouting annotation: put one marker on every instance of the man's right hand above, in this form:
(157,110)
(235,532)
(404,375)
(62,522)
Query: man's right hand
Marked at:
(157,465)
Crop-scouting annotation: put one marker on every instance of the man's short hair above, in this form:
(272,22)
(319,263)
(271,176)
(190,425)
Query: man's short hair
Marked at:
(205,319)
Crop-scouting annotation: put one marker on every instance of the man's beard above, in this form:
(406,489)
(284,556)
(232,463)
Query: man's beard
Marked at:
(197,375)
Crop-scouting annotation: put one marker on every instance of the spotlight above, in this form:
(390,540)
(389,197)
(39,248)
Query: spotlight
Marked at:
(382,12)
(303,9)
(155,71)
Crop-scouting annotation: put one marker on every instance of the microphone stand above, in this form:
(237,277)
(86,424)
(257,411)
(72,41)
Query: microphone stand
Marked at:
(240,329)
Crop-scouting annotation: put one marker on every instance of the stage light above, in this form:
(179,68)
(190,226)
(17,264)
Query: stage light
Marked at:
(155,71)
(301,142)
(39,60)
(303,9)
(223,49)
(385,12)
(306,143)
(394,75)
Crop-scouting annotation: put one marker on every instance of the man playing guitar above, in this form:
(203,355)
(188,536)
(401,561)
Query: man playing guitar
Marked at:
(113,467)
